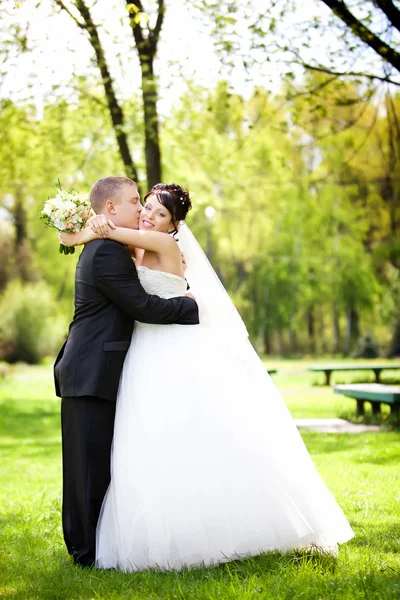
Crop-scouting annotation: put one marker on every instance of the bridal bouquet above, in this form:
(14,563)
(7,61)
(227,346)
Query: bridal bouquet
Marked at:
(67,211)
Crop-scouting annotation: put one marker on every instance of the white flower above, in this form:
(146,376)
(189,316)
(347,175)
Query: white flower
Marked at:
(53,203)
(69,205)
(58,224)
(59,214)
(47,210)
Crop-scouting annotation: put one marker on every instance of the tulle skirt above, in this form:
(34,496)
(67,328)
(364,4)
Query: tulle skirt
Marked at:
(207,463)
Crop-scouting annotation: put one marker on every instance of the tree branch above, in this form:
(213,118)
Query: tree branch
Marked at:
(350,123)
(358,29)
(91,97)
(155,33)
(322,69)
(61,4)
(138,5)
(136,28)
(308,92)
(390,10)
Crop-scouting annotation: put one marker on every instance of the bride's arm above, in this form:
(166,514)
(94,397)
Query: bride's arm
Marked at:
(155,241)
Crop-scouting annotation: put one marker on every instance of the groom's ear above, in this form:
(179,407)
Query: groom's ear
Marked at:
(110,207)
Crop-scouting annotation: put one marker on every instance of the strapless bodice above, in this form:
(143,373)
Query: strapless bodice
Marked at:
(165,285)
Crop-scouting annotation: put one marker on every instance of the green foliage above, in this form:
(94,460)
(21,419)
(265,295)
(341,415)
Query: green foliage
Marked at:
(305,234)
(300,222)
(70,142)
(30,324)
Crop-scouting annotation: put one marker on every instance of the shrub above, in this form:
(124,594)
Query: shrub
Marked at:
(31,326)
(367,347)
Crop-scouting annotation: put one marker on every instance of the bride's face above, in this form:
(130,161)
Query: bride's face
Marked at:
(155,217)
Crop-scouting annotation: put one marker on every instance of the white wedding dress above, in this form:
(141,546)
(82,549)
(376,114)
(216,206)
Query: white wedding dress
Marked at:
(207,463)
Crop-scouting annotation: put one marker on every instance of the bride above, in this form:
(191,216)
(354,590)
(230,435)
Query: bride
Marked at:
(207,463)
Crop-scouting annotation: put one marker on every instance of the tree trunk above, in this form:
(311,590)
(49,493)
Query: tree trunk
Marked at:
(147,47)
(24,265)
(320,345)
(20,218)
(267,341)
(352,329)
(395,343)
(151,128)
(311,329)
(292,336)
(336,329)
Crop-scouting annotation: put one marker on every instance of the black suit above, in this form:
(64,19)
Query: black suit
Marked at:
(108,298)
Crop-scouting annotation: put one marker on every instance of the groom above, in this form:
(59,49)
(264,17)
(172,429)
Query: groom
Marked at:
(108,299)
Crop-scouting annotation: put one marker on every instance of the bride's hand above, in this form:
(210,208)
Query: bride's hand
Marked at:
(77,239)
(100,225)
(184,265)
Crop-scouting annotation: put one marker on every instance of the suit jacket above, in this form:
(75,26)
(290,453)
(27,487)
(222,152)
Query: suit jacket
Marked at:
(108,299)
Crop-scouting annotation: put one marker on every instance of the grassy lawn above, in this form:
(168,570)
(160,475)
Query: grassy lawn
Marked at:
(361,470)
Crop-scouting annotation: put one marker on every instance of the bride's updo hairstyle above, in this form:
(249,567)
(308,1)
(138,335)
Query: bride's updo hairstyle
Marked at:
(175,199)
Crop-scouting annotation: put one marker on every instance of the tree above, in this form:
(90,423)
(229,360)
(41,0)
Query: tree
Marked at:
(363,28)
(15,143)
(357,39)
(300,219)
(358,170)
(372,25)
(86,23)
(146,40)
(70,143)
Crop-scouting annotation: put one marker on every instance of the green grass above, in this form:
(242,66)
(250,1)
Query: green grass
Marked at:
(361,470)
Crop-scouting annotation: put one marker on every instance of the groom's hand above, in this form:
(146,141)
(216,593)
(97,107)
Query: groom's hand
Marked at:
(189,295)
(100,225)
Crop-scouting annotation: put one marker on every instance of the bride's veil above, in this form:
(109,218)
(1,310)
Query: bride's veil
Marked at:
(215,307)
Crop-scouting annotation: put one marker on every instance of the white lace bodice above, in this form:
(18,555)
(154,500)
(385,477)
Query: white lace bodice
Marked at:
(165,285)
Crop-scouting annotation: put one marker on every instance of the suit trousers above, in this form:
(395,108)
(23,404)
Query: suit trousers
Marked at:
(87,425)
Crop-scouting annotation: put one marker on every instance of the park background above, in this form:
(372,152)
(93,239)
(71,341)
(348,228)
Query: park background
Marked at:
(282,119)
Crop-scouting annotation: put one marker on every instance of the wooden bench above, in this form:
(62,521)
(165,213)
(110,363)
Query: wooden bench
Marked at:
(376,368)
(374,393)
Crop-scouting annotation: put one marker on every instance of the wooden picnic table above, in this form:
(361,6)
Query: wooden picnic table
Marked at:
(375,367)
(375,393)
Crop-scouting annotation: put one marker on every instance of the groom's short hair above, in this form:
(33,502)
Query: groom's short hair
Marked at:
(107,189)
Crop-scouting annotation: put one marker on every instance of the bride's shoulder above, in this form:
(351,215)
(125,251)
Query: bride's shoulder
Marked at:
(168,244)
